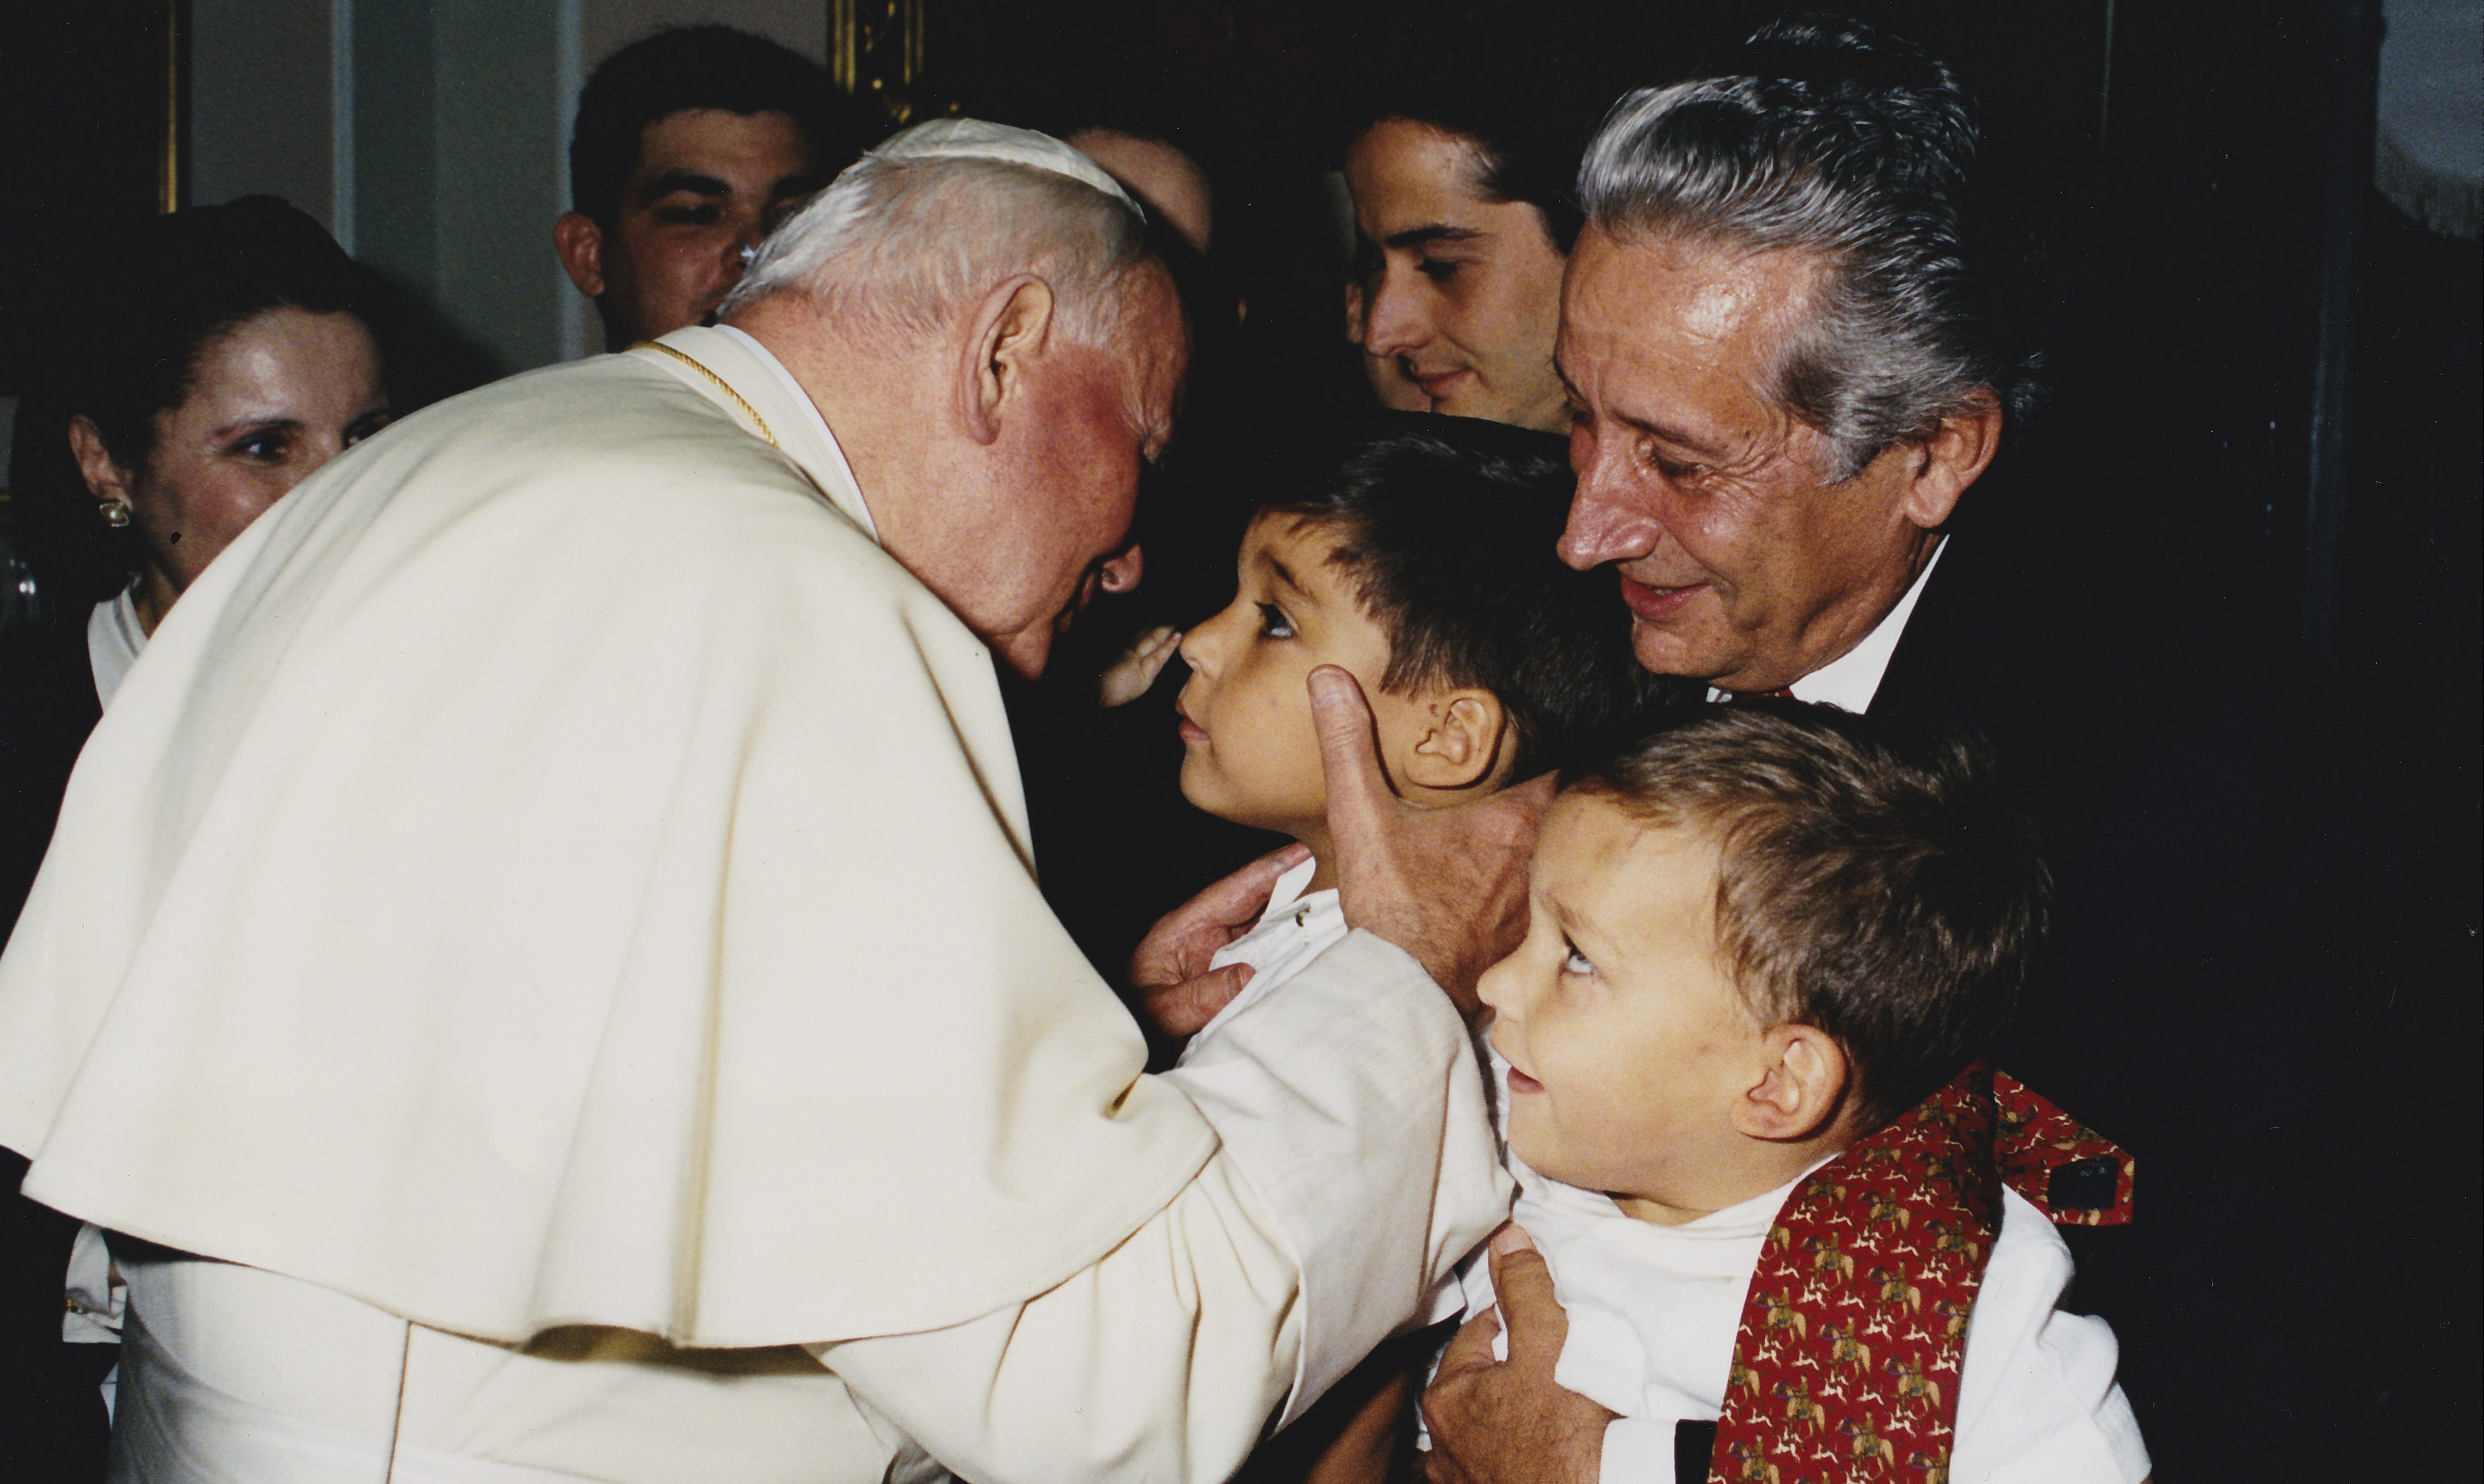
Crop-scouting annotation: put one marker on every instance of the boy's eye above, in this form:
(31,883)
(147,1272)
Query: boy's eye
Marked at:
(1273,622)
(690,216)
(1574,961)
(1438,270)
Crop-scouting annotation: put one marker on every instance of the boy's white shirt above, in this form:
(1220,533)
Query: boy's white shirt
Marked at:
(1653,1312)
(1293,931)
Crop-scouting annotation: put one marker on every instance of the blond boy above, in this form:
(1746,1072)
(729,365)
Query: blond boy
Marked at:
(1786,1207)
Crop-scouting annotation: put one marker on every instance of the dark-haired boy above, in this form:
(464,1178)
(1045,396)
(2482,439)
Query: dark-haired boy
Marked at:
(1424,563)
(1780,1195)
(689,145)
(1421,558)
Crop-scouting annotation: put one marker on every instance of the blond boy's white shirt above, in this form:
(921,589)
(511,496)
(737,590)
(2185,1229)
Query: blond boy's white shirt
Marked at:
(1655,1311)
(576,736)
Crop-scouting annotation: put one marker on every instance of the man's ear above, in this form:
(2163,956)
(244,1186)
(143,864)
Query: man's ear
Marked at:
(580,242)
(1801,1092)
(1007,333)
(1464,743)
(105,478)
(1953,457)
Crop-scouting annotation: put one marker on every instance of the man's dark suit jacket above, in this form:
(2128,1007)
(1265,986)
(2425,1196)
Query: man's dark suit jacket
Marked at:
(2239,992)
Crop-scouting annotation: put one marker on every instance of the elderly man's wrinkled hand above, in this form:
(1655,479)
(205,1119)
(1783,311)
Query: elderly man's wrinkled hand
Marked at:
(1177,992)
(1446,885)
(1509,1421)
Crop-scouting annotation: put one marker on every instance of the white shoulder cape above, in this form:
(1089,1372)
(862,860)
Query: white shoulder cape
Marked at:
(557,869)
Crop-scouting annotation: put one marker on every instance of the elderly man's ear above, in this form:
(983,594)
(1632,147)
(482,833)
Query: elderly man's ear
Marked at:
(1007,331)
(1953,457)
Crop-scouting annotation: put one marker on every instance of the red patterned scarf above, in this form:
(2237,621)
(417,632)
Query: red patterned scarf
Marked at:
(1846,1367)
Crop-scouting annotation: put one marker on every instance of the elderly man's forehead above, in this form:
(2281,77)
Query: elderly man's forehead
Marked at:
(1715,287)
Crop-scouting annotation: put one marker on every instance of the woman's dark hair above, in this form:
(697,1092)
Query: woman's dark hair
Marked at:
(152,300)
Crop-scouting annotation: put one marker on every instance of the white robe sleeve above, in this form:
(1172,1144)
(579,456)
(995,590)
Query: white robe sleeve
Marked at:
(1351,1112)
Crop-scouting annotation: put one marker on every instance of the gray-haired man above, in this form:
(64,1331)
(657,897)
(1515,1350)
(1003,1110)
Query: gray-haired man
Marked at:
(1784,337)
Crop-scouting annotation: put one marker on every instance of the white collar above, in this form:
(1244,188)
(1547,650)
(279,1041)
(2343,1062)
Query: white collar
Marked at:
(1850,680)
(1748,1218)
(800,398)
(1288,889)
(114,636)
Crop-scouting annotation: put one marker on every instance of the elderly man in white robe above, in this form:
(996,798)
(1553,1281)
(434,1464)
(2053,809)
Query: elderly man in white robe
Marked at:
(541,971)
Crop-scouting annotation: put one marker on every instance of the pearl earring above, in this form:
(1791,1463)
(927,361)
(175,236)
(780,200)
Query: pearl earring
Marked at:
(116,513)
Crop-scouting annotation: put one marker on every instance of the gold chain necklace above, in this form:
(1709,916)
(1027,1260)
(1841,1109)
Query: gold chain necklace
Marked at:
(722,385)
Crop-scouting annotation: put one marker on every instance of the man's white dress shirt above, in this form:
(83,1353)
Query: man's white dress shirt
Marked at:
(1850,680)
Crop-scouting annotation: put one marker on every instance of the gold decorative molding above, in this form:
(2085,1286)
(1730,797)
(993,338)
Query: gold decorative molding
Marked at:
(875,52)
(171,160)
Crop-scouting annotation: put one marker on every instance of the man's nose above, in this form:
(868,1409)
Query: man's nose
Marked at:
(1122,572)
(1394,322)
(1609,518)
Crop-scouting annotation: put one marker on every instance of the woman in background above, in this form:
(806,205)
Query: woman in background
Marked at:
(217,358)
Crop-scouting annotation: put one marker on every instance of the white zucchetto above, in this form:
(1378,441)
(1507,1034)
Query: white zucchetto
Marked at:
(975,139)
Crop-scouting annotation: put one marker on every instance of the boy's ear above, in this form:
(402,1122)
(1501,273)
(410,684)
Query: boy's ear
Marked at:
(1464,742)
(1802,1091)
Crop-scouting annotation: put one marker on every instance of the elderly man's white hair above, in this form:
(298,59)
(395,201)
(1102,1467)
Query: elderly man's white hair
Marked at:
(924,224)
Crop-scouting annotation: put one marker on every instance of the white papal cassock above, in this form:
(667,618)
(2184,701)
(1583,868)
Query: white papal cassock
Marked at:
(542,968)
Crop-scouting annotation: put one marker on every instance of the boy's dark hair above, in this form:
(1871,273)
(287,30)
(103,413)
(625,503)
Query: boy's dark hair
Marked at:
(1872,884)
(701,67)
(1446,527)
